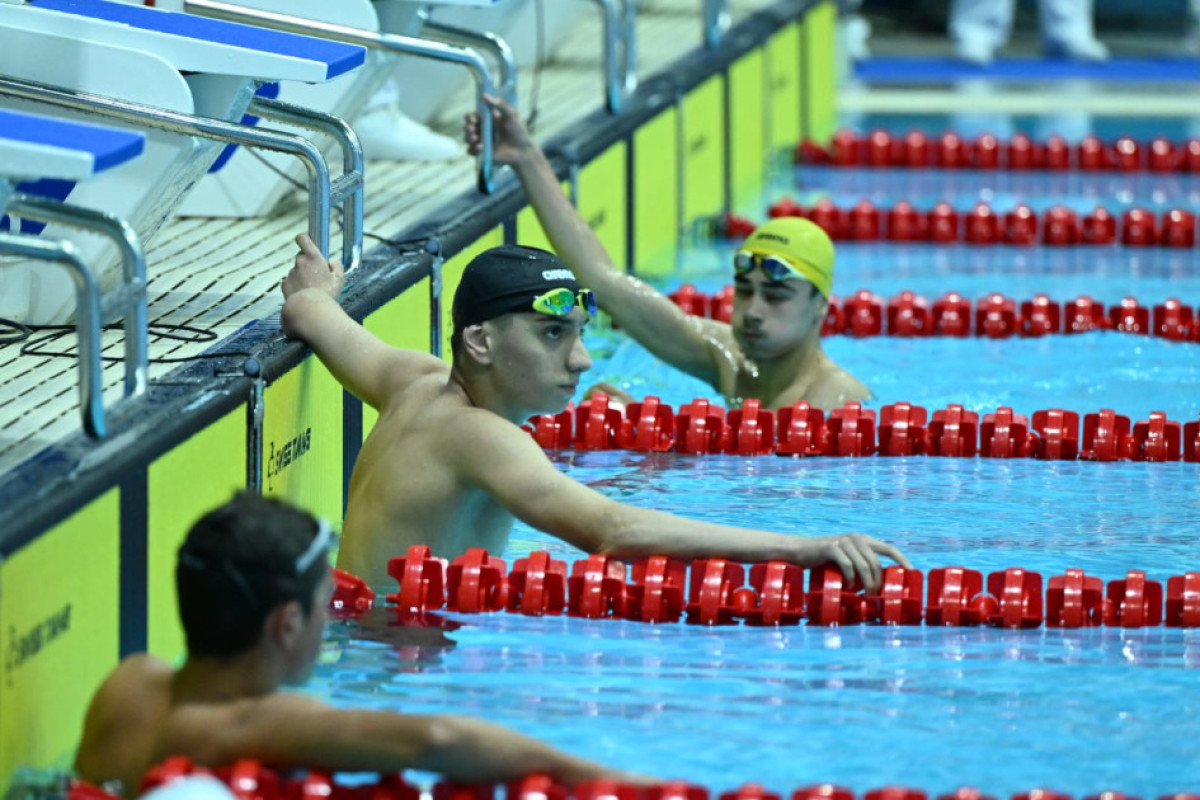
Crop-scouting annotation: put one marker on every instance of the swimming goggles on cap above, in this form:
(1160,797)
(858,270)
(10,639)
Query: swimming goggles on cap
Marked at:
(775,267)
(318,547)
(559,302)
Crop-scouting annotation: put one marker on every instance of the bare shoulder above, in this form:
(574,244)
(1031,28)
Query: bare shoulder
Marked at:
(126,710)
(135,676)
(835,388)
(477,430)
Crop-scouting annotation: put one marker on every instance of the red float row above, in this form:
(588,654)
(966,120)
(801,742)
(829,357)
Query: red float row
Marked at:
(1057,226)
(994,316)
(716,591)
(950,151)
(899,429)
(250,780)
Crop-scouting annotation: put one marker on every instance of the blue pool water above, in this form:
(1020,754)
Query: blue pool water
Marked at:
(1079,711)
(863,706)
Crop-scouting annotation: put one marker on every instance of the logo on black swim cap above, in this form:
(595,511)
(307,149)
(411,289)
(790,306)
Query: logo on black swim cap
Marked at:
(506,280)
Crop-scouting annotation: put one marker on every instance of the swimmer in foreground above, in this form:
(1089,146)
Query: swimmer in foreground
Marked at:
(254,584)
(447,464)
(782,277)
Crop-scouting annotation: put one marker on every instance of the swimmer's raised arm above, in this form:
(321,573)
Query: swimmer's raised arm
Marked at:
(687,343)
(370,369)
(508,464)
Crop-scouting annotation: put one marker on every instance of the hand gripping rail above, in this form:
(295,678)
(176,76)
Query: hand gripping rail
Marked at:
(322,193)
(395,43)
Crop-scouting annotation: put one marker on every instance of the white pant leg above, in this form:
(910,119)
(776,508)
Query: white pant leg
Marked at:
(981,22)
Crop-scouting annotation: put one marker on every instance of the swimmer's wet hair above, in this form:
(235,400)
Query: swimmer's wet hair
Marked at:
(237,564)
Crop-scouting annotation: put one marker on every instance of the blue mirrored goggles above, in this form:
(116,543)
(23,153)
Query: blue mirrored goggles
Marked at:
(559,302)
(775,268)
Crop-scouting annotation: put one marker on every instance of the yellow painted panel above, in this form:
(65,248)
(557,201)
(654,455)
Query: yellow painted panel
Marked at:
(820,72)
(704,151)
(747,135)
(452,272)
(176,500)
(403,322)
(784,88)
(602,200)
(656,194)
(59,629)
(529,229)
(302,439)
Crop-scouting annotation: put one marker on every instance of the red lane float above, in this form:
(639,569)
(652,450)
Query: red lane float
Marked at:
(881,149)
(718,591)
(249,780)
(899,429)
(994,316)
(1057,226)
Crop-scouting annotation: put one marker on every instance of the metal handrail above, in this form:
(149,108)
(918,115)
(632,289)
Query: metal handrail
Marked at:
(482,40)
(87,319)
(130,301)
(616,62)
(319,189)
(396,43)
(716,21)
(347,190)
(630,46)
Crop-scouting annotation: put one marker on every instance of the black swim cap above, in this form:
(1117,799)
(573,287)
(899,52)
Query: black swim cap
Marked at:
(507,279)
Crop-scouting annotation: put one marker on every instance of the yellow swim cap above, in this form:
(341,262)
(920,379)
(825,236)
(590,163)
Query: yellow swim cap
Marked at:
(802,243)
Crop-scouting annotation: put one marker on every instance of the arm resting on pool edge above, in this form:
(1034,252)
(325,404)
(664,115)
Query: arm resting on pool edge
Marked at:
(509,465)
(304,732)
(685,342)
(287,730)
(370,369)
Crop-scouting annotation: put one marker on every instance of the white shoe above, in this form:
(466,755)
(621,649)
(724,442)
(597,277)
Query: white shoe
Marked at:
(975,51)
(1085,49)
(855,32)
(386,134)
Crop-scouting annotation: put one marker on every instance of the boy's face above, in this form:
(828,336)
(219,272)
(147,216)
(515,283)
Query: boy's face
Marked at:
(541,358)
(770,317)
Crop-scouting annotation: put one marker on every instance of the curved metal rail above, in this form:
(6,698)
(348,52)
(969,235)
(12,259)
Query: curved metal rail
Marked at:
(396,43)
(87,319)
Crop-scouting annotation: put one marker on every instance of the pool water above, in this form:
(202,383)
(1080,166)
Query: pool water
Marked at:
(863,706)
(1080,711)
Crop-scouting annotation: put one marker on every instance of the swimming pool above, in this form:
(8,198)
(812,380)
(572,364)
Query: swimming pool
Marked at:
(1079,711)
(864,706)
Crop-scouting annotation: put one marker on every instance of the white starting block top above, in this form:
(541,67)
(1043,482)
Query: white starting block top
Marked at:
(33,146)
(190,43)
